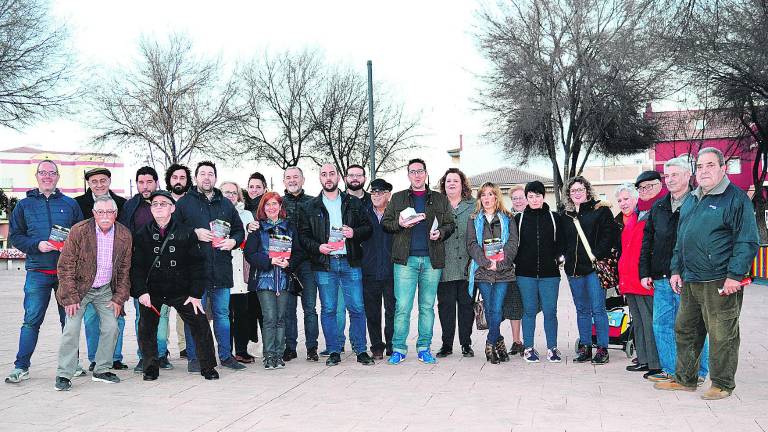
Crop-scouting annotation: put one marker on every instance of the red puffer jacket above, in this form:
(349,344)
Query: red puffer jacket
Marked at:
(629,262)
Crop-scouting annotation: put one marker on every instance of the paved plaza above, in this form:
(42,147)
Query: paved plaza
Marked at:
(455,394)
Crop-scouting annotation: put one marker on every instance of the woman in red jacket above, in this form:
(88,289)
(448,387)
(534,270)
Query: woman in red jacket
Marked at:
(634,212)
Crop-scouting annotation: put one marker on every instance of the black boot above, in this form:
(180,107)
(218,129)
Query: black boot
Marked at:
(501,349)
(490,353)
(585,354)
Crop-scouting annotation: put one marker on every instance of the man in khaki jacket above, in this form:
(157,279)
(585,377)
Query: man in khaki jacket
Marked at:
(93,269)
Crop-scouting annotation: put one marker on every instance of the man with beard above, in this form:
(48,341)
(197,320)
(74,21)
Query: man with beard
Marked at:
(201,208)
(331,228)
(136,214)
(177,182)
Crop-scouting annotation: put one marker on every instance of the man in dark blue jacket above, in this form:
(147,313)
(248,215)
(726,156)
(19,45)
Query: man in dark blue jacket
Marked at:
(202,209)
(716,242)
(31,224)
(378,282)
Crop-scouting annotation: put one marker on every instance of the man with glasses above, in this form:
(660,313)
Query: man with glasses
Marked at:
(716,242)
(31,223)
(94,269)
(659,238)
(418,253)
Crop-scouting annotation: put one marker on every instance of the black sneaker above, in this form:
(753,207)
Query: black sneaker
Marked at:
(91,366)
(183,353)
(601,357)
(105,377)
(164,363)
(209,374)
(517,348)
(139,367)
(365,359)
(151,373)
(193,366)
(289,354)
(278,362)
(269,363)
(585,354)
(118,365)
(333,359)
(444,352)
(312,354)
(62,384)
(231,363)
(466,351)
(637,368)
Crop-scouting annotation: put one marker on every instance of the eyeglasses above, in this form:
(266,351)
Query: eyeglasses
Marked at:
(230,193)
(707,166)
(356,175)
(378,192)
(417,171)
(42,173)
(105,212)
(161,204)
(648,187)
(518,199)
(578,190)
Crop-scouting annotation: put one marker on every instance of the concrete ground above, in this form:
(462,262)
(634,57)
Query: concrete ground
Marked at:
(455,394)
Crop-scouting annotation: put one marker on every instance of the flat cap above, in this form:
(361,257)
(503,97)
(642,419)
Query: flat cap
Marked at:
(92,172)
(647,176)
(380,185)
(164,194)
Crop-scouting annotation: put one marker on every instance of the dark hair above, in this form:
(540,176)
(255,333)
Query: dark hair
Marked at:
(417,160)
(146,170)
(261,214)
(536,187)
(258,176)
(172,169)
(356,166)
(206,163)
(569,205)
(466,191)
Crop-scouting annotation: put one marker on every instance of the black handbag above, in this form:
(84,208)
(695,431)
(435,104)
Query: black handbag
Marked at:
(294,285)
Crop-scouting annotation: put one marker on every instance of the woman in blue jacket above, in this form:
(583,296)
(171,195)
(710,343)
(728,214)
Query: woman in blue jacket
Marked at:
(269,277)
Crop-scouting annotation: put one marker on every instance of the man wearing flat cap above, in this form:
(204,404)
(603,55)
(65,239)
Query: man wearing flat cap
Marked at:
(99,181)
(168,268)
(378,281)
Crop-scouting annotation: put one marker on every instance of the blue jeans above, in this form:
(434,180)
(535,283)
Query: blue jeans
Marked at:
(539,294)
(92,331)
(350,281)
(219,298)
(665,305)
(493,300)
(37,294)
(309,306)
(341,319)
(589,299)
(418,272)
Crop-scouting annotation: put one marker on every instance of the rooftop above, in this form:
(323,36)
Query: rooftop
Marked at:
(507,176)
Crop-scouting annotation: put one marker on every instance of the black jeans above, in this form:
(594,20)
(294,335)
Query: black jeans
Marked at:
(198,326)
(244,316)
(373,292)
(449,295)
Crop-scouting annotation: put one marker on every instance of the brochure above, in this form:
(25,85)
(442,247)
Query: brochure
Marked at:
(280,246)
(336,238)
(494,249)
(220,230)
(58,236)
(409,215)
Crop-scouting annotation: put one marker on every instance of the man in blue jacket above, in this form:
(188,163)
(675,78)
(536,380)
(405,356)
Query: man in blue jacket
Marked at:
(31,224)
(201,206)
(716,242)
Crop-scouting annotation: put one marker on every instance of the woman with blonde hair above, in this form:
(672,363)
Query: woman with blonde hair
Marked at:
(492,244)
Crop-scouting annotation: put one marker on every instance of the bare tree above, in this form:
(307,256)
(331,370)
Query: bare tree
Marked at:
(722,50)
(35,68)
(171,105)
(340,115)
(278,126)
(569,79)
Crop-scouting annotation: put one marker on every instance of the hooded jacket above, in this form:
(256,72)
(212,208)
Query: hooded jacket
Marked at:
(541,241)
(32,220)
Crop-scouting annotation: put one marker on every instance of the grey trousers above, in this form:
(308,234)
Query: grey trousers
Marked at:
(70,336)
(641,308)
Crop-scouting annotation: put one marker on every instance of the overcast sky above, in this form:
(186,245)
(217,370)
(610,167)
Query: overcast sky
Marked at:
(423,52)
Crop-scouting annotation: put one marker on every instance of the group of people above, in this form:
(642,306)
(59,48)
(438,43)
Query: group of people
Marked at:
(245,259)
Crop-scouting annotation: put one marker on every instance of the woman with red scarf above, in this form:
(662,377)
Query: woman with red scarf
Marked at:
(635,204)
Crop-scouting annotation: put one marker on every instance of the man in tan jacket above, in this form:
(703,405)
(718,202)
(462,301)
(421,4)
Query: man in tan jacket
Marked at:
(93,269)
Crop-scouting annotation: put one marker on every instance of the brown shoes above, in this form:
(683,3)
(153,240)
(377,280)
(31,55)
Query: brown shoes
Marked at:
(715,393)
(673,386)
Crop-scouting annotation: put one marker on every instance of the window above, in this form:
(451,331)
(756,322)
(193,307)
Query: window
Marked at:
(701,124)
(734,166)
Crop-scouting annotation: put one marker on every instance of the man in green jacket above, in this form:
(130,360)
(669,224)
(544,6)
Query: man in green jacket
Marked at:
(418,254)
(716,243)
